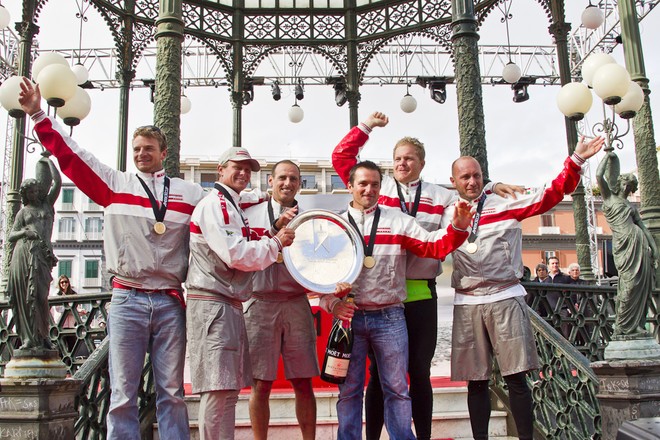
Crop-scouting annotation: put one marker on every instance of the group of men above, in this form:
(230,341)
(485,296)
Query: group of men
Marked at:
(161,232)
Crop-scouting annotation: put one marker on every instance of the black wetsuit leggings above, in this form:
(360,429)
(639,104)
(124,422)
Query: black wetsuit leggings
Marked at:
(520,398)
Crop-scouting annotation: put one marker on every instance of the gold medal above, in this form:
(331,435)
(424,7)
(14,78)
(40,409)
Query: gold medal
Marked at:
(159,228)
(369,262)
(280,259)
(472,248)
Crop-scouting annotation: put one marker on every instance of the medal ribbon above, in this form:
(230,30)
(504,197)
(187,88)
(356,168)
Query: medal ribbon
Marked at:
(368,249)
(228,196)
(404,205)
(159,211)
(475,222)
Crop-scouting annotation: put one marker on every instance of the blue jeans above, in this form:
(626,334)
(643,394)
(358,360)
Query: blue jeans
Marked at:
(139,322)
(384,331)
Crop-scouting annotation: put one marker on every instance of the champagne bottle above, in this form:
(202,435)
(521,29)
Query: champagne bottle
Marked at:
(338,350)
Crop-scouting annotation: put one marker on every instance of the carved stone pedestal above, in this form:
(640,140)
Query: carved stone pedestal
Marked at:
(38,409)
(627,390)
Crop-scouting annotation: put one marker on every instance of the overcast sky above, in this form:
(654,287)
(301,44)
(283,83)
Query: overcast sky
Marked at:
(526,141)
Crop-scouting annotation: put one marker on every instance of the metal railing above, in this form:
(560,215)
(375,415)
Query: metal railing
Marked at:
(569,336)
(77,329)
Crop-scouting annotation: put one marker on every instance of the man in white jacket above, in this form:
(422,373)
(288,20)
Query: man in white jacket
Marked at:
(224,253)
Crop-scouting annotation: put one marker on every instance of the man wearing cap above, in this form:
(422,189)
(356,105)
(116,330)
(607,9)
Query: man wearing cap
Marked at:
(146,234)
(224,253)
(278,317)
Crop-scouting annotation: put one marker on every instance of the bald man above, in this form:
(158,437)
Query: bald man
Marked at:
(490,314)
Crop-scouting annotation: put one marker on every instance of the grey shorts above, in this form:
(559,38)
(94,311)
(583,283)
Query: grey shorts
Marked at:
(501,328)
(217,346)
(286,328)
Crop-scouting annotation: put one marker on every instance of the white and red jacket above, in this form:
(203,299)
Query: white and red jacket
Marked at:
(492,273)
(384,285)
(135,254)
(275,282)
(432,203)
(222,258)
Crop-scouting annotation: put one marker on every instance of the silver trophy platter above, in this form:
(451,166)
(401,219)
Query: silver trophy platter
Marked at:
(326,250)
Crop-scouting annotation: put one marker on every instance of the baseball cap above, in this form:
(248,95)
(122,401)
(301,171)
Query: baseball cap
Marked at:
(238,154)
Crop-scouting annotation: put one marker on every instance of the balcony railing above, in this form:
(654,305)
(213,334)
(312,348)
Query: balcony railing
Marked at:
(543,230)
(67,236)
(94,235)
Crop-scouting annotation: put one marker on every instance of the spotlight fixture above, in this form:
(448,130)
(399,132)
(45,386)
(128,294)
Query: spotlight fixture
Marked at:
(151,83)
(275,90)
(520,93)
(339,84)
(248,93)
(437,86)
(299,91)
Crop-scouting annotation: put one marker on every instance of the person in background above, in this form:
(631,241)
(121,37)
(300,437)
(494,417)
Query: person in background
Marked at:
(147,229)
(541,273)
(555,273)
(574,273)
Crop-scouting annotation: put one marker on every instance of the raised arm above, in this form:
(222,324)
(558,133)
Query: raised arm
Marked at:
(57,182)
(609,161)
(346,153)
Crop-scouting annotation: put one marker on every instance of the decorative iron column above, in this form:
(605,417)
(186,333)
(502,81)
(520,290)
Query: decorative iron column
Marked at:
(27,29)
(125,75)
(472,129)
(645,147)
(167,98)
(237,80)
(559,30)
(352,74)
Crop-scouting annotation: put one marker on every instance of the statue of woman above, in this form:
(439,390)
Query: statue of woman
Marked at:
(32,258)
(635,251)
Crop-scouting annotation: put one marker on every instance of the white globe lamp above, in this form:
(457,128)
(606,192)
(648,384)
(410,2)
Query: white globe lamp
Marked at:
(593,63)
(631,102)
(611,82)
(408,103)
(592,17)
(574,100)
(296,114)
(76,108)
(511,73)
(82,75)
(186,104)
(57,84)
(46,59)
(5,18)
(9,92)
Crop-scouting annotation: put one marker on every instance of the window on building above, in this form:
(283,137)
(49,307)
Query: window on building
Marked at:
(207,180)
(92,273)
(548,254)
(64,268)
(308,181)
(336,183)
(67,228)
(92,205)
(94,228)
(548,219)
(67,199)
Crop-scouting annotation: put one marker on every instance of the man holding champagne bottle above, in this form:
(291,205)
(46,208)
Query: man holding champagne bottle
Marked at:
(378,321)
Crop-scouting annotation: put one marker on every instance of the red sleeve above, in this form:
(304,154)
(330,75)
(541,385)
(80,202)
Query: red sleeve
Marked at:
(443,245)
(344,156)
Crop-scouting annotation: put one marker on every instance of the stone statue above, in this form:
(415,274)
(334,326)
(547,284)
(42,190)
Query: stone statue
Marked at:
(635,252)
(31,256)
